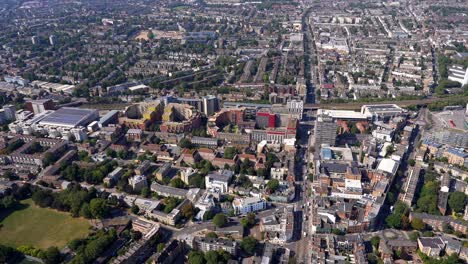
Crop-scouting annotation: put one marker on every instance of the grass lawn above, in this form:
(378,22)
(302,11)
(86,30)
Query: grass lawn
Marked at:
(40,227)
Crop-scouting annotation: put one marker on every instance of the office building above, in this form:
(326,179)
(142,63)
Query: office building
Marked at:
(325,130)
(210,105)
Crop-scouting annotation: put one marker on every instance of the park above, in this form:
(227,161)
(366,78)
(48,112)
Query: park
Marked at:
(31,225)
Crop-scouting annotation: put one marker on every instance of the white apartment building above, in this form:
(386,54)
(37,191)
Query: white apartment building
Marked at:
(458,74)
(248,205)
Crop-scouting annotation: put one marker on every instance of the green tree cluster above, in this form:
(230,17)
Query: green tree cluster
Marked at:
(220,220)
(398,218)
(87,250)
(248,221)
(457,201)
(210,257)
(427,202)
(248,245)
(75,199)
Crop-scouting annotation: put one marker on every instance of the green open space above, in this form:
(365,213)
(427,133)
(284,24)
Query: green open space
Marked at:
(32,225)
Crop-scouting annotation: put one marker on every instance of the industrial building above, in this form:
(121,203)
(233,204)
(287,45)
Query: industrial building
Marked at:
(383,111)
(65,122)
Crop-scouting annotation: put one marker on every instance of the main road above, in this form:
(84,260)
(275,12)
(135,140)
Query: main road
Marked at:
(303,214)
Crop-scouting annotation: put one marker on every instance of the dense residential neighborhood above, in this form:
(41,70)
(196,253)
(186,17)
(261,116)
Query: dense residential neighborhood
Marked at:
(232,131)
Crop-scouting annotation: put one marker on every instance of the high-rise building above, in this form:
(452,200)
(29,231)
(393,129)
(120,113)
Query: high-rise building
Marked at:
(210,105)
(34,40)
(52,40)
(325,130)
(39,106)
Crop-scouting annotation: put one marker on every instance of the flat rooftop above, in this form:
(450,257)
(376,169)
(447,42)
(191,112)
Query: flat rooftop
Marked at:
(343,114)
(69,117)
(455,119)
(382,108)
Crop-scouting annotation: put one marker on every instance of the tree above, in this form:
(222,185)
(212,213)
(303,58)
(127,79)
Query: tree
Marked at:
(273,185)
(111,153)
(411,162)
(417,224)
(8,202)
(220,220)
(187,210)
(394,220)
(230,152)
(245,165)
(375,241)
(211,257)
(338,232)
(10,255)
(428,234)
(177,183)
(185,143)
(196,257)
(390,149)
(135,209)
(211,235)
(248,244)
(248,221)
(457,201)
(161,247)
(224,256)
(49,158)
(208,215)
(52,256)
(146,192)
(84,211)
(98,208)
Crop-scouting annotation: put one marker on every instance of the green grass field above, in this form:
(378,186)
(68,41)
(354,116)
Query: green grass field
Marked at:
(40,227)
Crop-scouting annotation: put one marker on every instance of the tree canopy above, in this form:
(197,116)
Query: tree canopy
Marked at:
(248,244)
(220,220)
(457,201)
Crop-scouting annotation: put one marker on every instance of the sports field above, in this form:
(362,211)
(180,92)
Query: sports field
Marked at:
(40,227)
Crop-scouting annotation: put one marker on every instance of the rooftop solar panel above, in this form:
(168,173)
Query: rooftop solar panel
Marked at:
(67,116)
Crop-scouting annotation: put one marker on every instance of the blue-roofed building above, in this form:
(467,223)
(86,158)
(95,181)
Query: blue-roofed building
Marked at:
(431,146)
(327,154)
(456,156)
(70,117)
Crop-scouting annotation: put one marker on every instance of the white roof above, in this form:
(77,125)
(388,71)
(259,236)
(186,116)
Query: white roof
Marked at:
(342,114)
(289,141)
(349,183)
(388,165)
(137,87)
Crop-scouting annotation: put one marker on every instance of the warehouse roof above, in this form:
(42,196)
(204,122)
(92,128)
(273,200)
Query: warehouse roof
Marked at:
(69,117)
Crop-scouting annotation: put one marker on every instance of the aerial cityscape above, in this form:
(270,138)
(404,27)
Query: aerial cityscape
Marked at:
(233,131)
